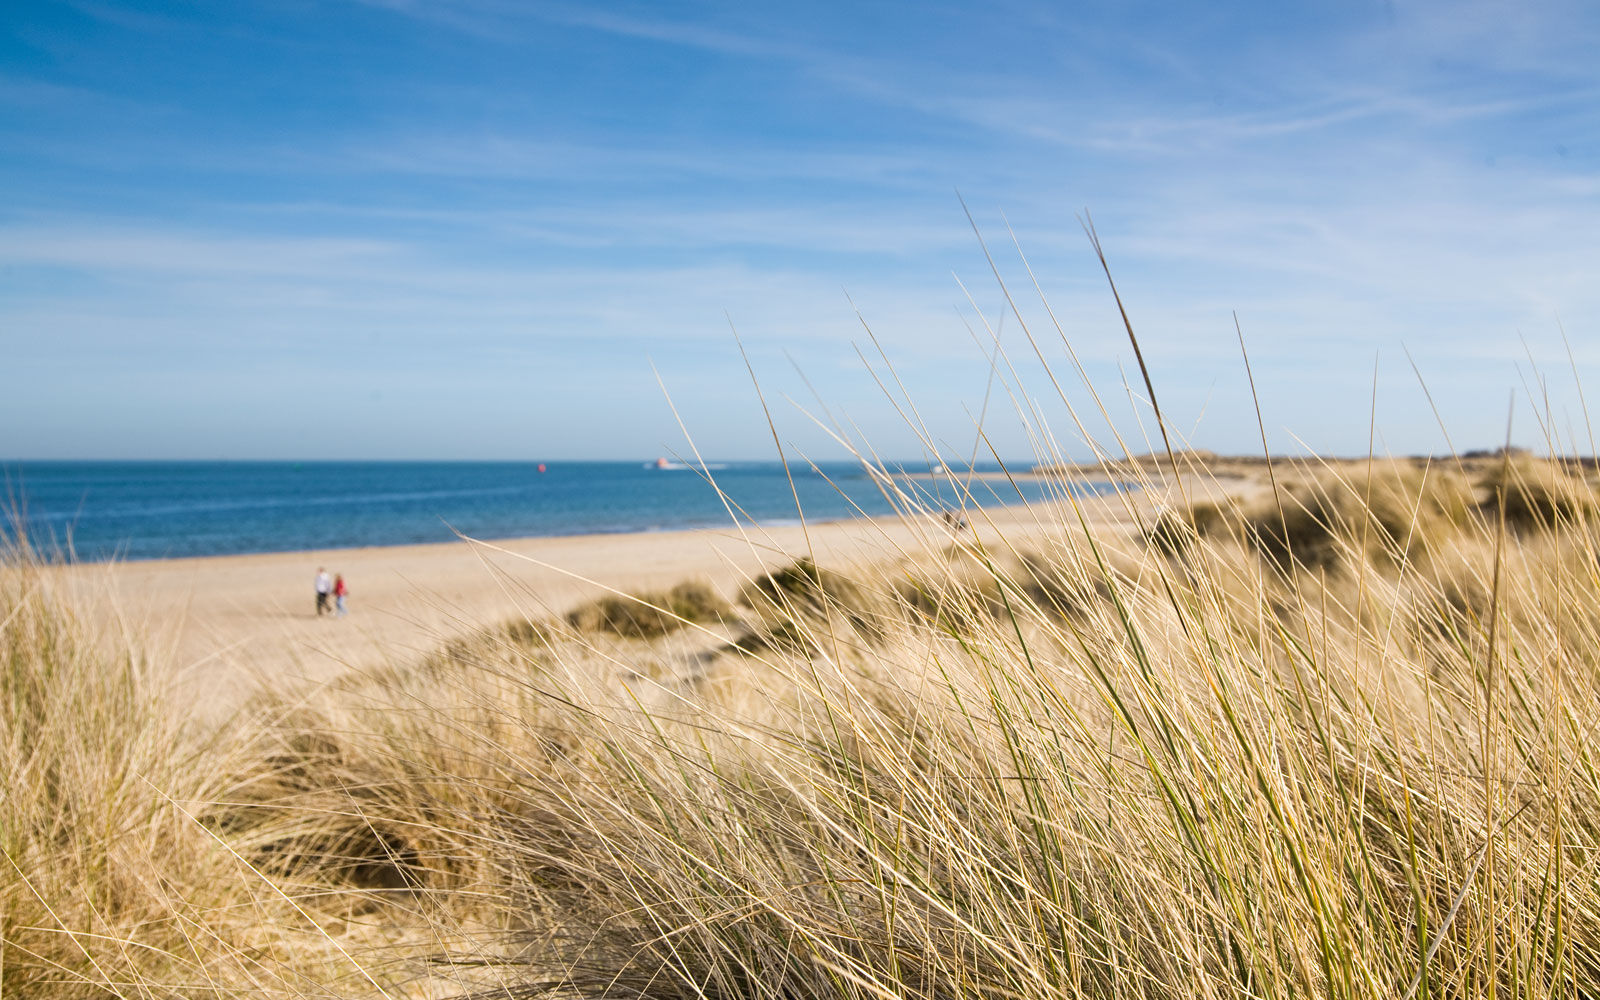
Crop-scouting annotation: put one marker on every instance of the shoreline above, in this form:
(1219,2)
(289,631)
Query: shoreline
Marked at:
(229,624)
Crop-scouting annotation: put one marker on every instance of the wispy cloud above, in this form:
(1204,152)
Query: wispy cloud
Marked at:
(508,21)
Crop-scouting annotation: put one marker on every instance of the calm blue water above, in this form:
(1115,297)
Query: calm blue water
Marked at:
(154,510)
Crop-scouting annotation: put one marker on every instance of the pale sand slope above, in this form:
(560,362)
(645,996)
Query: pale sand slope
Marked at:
(229,623)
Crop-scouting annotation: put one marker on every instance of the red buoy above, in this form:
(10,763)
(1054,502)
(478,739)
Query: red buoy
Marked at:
(541,466)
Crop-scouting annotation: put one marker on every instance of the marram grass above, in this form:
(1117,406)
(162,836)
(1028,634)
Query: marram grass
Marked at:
(1338,741)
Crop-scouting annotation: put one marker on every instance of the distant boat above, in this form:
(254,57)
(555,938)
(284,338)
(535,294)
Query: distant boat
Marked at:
(667,465)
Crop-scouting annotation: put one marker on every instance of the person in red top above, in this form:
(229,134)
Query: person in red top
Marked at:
(339,590)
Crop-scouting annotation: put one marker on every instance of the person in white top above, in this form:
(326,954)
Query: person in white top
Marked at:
(324,588)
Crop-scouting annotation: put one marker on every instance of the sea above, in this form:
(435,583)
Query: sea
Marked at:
(113,510)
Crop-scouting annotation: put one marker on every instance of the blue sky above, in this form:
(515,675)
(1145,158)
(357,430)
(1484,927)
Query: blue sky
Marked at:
(465,228)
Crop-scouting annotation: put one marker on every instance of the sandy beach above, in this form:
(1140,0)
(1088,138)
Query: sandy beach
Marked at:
(231,623)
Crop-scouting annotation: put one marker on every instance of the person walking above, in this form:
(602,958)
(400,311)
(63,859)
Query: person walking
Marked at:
(339,592)
(324,588)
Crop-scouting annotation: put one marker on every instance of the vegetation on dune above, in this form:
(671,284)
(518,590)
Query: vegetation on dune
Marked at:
(1173,531)
(1149,795)
(1537,495)
(79,826)
(952,599)
(650,615)
(801,598)
(1325,518)
(106,885)
(802,589)
(1345,748)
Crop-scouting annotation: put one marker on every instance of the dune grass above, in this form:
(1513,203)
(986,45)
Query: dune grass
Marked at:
(1351,756)
(650,616)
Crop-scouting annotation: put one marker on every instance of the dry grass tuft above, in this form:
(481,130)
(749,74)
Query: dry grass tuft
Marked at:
(1389,512)
(650,616)
(951,601)
(1537,495)
(809,596)
(1173,532)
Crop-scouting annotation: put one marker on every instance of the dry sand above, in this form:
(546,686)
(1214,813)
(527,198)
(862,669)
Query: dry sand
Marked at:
(230,623)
